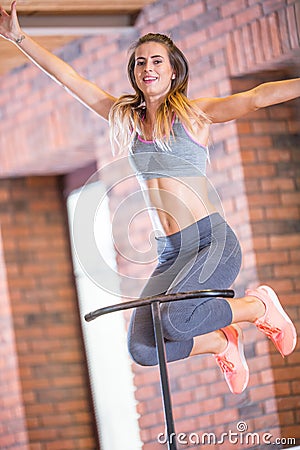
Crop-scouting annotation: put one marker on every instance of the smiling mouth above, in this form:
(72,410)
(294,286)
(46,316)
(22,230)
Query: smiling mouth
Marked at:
(149,79)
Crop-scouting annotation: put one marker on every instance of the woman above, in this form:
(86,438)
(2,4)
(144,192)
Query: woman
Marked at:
(166,136)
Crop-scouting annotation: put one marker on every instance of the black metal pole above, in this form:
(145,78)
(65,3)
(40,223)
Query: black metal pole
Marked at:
(164,380)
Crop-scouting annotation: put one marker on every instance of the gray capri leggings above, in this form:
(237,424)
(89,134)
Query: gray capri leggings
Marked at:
(205,255)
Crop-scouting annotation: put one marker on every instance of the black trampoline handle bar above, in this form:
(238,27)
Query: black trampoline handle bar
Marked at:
(227,293)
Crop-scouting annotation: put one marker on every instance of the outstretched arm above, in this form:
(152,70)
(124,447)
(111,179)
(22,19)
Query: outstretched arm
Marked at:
(85,91)
(236,105)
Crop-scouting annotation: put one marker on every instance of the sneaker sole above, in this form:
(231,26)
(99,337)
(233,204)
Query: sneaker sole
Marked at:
(240,347)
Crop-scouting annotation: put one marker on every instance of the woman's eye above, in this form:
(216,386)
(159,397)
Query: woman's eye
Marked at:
(139,63)
(157,61)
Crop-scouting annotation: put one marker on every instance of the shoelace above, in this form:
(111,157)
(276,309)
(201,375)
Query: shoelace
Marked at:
(225,365)
(266,328)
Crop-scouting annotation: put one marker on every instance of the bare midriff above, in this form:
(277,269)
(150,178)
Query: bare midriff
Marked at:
(175,203)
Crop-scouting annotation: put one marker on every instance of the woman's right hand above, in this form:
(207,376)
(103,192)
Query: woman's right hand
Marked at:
(87,92)
(9,24)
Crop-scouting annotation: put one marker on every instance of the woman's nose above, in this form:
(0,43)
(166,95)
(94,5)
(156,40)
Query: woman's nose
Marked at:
(148,65)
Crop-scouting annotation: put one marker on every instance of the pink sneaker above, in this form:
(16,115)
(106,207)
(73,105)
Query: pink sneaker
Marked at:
(232,360)
(275,323)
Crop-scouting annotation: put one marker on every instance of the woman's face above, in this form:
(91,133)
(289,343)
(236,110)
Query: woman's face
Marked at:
(153,72)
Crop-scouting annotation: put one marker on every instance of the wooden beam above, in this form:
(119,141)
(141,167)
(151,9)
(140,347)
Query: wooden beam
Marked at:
(74,25)
(29,7)
(53,27)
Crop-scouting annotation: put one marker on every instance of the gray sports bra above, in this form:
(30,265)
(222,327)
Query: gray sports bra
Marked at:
(186,157)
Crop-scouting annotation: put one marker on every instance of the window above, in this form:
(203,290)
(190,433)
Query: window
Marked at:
(105,338)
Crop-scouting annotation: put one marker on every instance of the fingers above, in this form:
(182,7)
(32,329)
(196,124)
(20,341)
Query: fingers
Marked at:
(3,12)
(13,9)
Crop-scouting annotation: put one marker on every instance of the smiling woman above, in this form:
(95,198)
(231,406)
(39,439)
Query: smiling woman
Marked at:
(165,134)
(155,55)
(153,70)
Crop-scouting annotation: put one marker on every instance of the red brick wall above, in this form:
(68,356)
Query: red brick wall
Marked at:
(228,45)
(42,354)
(270,153)
(13,430)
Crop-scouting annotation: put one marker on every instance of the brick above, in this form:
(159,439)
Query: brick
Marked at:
(281,184)
(188,425)
(273,27)
(248,15)
(232,7)
(271,5)
(282,213)
(285,375)
(192,410)
(194,39)
(280,112)
(261,242)
(212,46)
(182,397)
(266,38)
(293,126)
(169,22)
(295,255)
(244,127)
(221,27)
(240,60)
(256,214)
(248,46)
(268,422)
(291,198)
(259,171)
(192,10)
(295,387)
(283,30)
(297,14)
(60,444)
(261,127)
(262,393)
(255,141)
(274,257)
(290,241)
(223,417)
(282,271)
(261,200)
(269,155)
(219,59)
(152,446)
(231,54)
(292,26)
(257,37)
(288,403)
(146,392)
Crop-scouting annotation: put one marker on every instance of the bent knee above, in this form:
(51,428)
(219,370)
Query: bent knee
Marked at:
(143,355)
(173,329)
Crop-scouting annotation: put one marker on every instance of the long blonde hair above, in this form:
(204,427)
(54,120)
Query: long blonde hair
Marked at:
(128,111)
